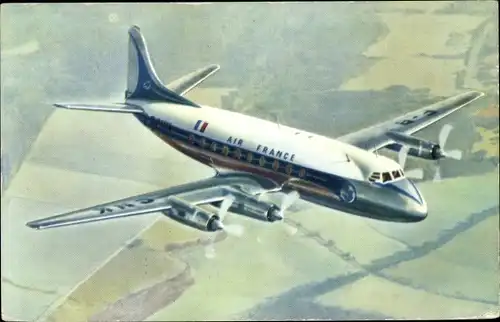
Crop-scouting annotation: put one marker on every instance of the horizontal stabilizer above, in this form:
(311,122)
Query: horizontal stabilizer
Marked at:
(186,83)
(111,107)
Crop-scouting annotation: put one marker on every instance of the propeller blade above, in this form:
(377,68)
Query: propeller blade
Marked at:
(443,135)
(402,155)
(291,230)
(224,207)
(437,176)
(210,249)
(455,154)
(234,230)
(415,174)
(289,199)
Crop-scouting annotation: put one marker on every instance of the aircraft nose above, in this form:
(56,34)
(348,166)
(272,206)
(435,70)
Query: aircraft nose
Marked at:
(416,207)
(419,211)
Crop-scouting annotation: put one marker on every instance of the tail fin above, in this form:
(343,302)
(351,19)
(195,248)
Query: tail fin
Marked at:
(143,83)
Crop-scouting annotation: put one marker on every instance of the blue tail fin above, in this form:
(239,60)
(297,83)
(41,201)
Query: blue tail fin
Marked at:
(143,83)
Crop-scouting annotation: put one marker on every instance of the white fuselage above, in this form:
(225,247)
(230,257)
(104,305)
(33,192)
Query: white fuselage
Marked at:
(324,171)
(296,146)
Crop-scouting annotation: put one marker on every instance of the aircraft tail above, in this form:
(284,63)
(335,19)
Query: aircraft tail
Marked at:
(143,82)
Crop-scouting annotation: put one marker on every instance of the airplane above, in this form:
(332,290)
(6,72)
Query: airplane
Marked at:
(252,157)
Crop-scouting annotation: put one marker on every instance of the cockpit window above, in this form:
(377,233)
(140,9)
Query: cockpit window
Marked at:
(375,176)
(386,176)
(396,174)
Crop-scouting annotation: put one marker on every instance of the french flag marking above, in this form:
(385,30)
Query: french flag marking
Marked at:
(200,126)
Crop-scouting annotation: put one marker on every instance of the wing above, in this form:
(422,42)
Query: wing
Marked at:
(186,83)
(196,193)
(374,138)
(111,107)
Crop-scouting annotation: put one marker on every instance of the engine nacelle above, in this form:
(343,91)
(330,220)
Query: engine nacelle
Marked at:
(193,216)
(247,205)
(417,147)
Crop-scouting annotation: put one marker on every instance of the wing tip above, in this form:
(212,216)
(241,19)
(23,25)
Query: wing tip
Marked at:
(474,94)
(212,68)
(33,225)
(60,105)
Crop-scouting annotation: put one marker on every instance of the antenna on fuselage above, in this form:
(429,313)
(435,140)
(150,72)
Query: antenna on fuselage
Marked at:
(276,119)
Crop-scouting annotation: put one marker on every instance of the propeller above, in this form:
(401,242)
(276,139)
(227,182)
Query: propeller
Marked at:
(225,205)
(443,137)
(453,154)
(288,200)
(230,229)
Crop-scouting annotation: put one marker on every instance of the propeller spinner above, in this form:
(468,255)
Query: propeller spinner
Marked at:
(286,202)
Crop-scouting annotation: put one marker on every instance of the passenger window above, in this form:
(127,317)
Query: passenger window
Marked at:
(237,153)
(225,150)
(191,139)
(249,156)
(302,173)
(386,177)
(289,169)
(203,142)
(166,126)
(213,147)
(154,123)
(276,165)
(262,161)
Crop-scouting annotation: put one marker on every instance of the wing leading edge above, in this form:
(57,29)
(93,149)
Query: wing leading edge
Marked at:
(375,137)
(196,193)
